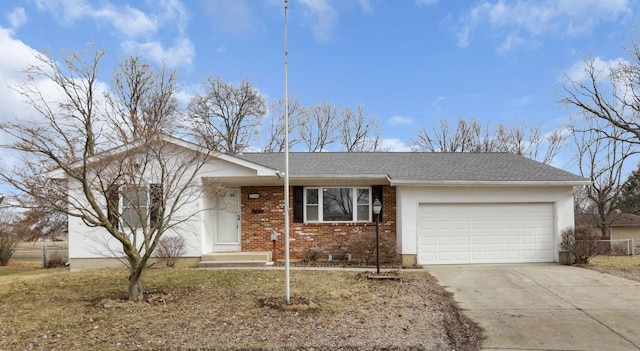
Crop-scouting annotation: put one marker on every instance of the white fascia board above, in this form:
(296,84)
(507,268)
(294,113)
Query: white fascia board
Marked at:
(341,176)
(260,170)
(486,183)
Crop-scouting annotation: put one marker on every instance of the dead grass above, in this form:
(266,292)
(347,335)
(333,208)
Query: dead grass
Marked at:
(220,310)
(622,266)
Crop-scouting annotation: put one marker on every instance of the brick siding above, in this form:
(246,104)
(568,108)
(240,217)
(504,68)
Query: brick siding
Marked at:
(264,215)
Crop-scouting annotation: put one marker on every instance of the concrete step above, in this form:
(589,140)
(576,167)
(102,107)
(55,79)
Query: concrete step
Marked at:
(235,259)
(237,256)
(217,264)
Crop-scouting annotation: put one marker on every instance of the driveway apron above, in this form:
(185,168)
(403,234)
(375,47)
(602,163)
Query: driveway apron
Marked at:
(546,306)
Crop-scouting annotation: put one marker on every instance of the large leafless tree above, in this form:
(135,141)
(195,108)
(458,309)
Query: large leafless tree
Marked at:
(359,132)
(108,165)
(324,126)
(275,126)
(226,118)
(600,157)
(606,96)
(318,126)
(470,135)
(610,92)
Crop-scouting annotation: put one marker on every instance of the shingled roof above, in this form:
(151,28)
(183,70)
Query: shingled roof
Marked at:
(416,166)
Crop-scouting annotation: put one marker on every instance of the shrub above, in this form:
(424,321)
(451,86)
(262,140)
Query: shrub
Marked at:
(169,249)
(9,239)
(581,242)
(363,249)
(55,262)
(312,254)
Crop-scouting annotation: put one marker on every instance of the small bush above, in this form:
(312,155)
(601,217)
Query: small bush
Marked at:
(581,242)
(9,239)
(55,262)
(312,254)
(169,249)
(363,249)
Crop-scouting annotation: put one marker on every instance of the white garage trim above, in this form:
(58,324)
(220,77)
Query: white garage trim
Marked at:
(463,233)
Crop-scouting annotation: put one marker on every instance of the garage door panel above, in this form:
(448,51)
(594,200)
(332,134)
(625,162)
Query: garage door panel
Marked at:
(445,240)
(462,256)
(478,256)
(478,225)
(511,240)
(462,240)
(485,233)
(496,240)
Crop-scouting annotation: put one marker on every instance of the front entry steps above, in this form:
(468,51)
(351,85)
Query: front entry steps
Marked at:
(235,259)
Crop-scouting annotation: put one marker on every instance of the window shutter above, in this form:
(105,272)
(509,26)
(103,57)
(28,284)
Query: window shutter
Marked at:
(298,204)
(376,193)
(155,205)
(113,204)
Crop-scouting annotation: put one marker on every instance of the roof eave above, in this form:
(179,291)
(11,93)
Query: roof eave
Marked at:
(487,183)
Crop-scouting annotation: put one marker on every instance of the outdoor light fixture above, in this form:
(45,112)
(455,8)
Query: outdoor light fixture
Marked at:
(377,208)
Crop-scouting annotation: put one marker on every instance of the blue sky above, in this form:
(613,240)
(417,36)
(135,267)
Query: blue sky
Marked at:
(408,62)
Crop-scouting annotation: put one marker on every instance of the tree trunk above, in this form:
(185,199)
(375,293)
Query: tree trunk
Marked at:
(135,286)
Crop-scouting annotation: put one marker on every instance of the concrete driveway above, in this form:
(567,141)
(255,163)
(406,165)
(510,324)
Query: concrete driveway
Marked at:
(546,306)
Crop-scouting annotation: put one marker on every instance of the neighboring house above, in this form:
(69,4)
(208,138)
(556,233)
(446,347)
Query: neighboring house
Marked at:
(441,208)
(623,226)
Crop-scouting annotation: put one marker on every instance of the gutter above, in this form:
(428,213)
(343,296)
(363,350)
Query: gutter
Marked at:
(487,183)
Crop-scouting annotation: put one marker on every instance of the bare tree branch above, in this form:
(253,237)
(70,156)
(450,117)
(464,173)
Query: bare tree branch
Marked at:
(227,117)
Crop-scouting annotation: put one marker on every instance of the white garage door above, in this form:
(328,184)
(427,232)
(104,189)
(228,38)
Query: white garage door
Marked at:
(485,233)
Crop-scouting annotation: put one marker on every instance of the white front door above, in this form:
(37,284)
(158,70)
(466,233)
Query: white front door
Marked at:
(227,235)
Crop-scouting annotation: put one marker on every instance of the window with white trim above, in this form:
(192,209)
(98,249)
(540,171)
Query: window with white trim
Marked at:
(134,206)
(337,204)
(139,204)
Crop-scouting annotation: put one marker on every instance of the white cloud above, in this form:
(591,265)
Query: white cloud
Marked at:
(464,36)
(66,11)
(578,72)
(139,29)
(425,3)
(180,54)
(324,18)
(511,42)
(17,17)
(521,21)
(366,7)
(233,16)
(393,144)
(400,120)
(522,101)
(128,21)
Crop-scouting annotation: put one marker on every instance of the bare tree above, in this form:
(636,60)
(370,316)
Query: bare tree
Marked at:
(600,157)
(128,191)
(466,136)
(318,126)
(359,132)
(142,100)
(275,137)
(609,92)
(471,136)
(227,117)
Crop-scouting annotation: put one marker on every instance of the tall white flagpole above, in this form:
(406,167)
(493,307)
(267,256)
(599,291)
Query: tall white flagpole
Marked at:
(286,158)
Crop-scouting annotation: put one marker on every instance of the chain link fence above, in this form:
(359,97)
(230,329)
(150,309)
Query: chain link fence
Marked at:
(622,247)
